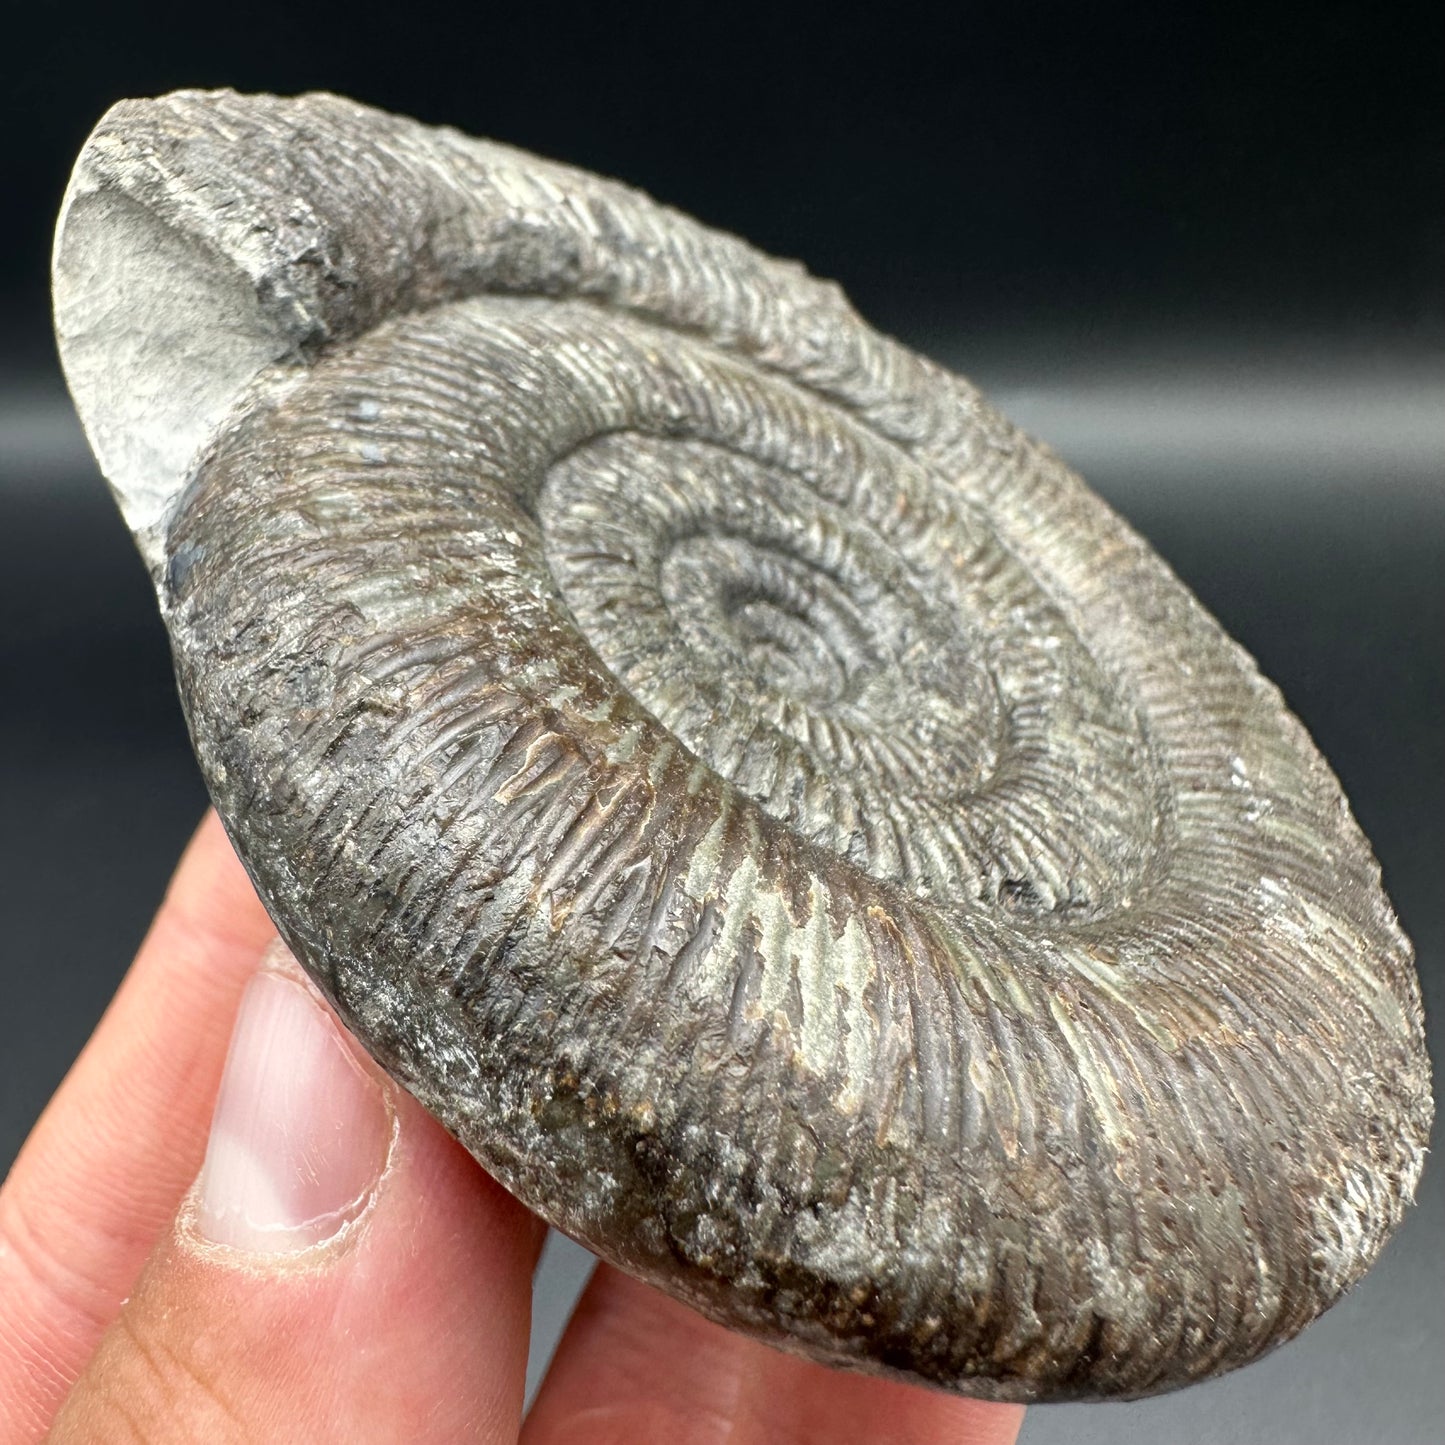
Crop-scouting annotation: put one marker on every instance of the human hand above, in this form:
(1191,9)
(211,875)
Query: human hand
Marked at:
(340,1270)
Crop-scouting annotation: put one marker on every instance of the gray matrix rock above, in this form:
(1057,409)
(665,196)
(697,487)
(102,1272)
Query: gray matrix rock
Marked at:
(800,841)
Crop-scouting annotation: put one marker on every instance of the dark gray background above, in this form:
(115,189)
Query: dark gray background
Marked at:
(1202,252)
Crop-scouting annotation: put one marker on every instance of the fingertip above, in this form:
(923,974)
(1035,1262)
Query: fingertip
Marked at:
(635,1364)
(301,1131)
(355,1287)
(211,893)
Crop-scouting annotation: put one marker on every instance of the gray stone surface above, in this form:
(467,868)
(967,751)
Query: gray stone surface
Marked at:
(793,833)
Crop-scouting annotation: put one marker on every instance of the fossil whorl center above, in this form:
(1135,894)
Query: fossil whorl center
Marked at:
(786,826)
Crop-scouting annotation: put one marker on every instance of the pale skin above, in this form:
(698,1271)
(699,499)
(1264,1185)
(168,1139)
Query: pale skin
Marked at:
(123,1321)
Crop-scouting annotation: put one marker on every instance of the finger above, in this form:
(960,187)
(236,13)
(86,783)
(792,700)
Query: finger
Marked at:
(635,1366)
(342,1270)
(106,1165)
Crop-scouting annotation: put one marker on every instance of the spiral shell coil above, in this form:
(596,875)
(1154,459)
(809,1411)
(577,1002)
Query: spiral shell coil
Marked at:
(795,835)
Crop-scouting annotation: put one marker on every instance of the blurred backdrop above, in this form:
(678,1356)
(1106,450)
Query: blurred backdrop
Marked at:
(1199,248)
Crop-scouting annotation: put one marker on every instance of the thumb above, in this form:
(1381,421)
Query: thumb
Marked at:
(340,1271)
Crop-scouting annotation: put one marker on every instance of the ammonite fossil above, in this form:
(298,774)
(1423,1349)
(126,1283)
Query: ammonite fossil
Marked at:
(795,835)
